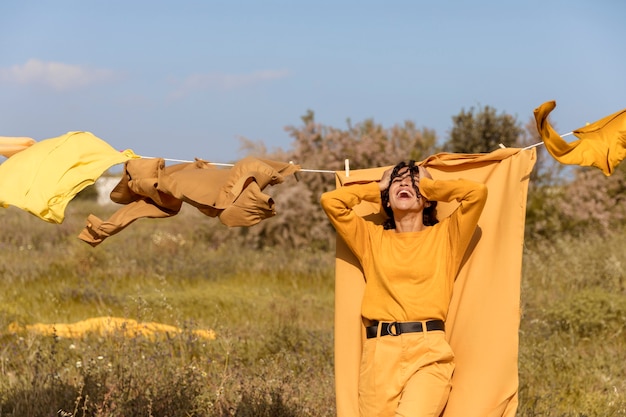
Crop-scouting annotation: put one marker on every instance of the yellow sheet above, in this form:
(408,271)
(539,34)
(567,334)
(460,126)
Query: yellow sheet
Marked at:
(43,178)
(483,320)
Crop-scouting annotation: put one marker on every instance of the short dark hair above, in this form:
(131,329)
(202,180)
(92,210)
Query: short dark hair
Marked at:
(429,213)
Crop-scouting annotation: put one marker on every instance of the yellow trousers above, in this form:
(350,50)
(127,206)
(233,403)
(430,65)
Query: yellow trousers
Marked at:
(405,376)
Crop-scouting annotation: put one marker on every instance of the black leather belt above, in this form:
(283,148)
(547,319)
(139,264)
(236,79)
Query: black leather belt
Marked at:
(397,328)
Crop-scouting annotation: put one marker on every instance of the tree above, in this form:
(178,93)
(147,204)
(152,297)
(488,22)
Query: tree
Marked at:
(594,201)
(482,131)
(300,220)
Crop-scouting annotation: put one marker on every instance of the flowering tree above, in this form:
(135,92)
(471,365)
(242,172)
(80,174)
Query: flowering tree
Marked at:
(300,221)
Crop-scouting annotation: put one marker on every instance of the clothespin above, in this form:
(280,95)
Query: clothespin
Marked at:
(295,174)
(347,167)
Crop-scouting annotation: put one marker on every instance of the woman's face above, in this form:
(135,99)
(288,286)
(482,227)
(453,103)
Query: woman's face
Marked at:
(402,195)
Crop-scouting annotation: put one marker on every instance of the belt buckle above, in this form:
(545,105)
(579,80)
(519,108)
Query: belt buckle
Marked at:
(396,328)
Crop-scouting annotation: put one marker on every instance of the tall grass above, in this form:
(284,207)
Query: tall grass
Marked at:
(272,311)
(573,329)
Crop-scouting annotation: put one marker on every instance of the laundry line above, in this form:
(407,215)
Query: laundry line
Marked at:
(541,143)
(222,164)
(324,171)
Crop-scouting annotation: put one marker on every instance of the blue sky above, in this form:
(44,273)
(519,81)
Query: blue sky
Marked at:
(184,79)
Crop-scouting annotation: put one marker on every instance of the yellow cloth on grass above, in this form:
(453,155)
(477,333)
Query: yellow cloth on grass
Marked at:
(483,320)
(44,178)
(107,325)
(601,144)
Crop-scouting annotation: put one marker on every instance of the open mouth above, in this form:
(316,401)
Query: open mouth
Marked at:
(404,194)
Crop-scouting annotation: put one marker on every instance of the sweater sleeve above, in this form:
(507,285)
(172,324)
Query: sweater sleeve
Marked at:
(338,205)
(471,196)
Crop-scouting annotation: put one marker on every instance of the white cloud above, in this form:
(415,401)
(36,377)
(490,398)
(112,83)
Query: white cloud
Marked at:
(220,81)
(54,75)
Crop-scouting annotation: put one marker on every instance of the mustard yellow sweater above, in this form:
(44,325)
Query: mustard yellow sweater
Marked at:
(409,275)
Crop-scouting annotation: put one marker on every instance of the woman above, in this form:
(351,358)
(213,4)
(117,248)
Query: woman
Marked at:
(409,265)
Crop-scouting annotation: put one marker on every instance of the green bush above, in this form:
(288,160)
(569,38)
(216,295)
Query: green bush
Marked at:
(589,313)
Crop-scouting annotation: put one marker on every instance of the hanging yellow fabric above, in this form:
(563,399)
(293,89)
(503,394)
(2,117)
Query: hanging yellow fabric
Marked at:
(43,178)
(149,189)
(601,144)
(483,321)
(10,145)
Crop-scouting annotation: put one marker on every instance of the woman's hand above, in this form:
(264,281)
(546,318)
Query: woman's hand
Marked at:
(423,172)
(383,184)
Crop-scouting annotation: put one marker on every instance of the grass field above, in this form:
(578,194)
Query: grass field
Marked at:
(272,311)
